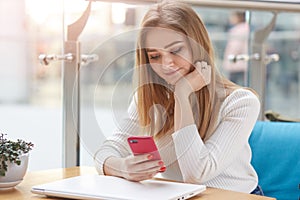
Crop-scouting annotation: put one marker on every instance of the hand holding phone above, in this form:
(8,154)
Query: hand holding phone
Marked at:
(145,145)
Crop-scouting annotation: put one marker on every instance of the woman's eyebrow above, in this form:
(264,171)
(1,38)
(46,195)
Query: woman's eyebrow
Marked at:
(167,46)
(150,50)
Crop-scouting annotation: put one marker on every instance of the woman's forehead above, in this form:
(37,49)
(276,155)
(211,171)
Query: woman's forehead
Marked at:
(159,38)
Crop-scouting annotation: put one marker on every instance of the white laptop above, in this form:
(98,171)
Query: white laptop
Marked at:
(109,187)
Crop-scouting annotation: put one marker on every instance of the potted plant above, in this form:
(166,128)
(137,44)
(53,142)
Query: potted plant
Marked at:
(13,161)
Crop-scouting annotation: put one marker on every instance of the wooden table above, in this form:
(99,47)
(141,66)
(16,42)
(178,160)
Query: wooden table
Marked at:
(22,191)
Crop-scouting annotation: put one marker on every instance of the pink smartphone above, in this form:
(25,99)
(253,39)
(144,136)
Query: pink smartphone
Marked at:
(144,145)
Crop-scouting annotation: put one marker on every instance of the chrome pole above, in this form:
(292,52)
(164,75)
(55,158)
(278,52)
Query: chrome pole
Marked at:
(71,92)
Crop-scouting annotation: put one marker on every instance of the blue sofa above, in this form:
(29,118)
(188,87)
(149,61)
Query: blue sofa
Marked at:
(276,158)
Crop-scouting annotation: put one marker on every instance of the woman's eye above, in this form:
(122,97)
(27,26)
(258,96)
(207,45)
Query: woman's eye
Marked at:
(154,57)
(177,50)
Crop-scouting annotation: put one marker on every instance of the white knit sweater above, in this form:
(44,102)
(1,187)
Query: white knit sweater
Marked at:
(223,161)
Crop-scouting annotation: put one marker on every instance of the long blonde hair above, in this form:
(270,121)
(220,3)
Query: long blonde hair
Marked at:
(153,90)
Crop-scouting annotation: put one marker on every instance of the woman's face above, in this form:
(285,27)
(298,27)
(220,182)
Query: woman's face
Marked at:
(169,54)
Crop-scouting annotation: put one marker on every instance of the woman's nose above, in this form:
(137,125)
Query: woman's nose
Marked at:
(167,60)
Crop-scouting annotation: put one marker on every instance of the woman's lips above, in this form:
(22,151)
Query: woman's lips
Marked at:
(171,72)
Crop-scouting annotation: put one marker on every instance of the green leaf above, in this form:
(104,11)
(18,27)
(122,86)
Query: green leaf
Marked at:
(10,151)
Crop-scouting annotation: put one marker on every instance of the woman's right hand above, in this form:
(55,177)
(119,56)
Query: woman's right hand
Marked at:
(195,80)
(133,168)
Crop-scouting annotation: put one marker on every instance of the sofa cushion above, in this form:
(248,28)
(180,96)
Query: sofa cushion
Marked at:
(276,158)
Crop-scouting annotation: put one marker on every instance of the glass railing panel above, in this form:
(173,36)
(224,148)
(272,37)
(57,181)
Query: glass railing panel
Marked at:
(30,97)
(282,91)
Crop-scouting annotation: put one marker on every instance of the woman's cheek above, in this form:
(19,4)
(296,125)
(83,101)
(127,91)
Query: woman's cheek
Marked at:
(156,69)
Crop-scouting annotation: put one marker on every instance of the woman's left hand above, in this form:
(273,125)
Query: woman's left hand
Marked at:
(195,80)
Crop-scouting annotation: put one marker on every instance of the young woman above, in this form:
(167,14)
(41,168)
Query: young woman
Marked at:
(201,121)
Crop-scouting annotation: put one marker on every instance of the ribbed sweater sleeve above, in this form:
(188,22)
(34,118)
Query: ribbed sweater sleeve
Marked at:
(116,145)
(200,162)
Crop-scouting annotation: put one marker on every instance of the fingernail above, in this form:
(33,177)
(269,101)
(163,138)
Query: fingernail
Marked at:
(160,163)
(149,157)
(162,169)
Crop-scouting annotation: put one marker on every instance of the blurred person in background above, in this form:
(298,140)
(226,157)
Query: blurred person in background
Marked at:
(237,44)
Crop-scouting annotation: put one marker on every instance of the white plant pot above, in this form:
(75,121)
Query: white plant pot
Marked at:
(14,174)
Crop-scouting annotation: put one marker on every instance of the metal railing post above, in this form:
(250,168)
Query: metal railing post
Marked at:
(71,93)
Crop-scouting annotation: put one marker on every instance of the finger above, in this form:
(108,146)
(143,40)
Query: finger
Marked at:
(204,70)
(142,158)
(138,172)
(149,166)
(146,167)
(200,66)
(142,176)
